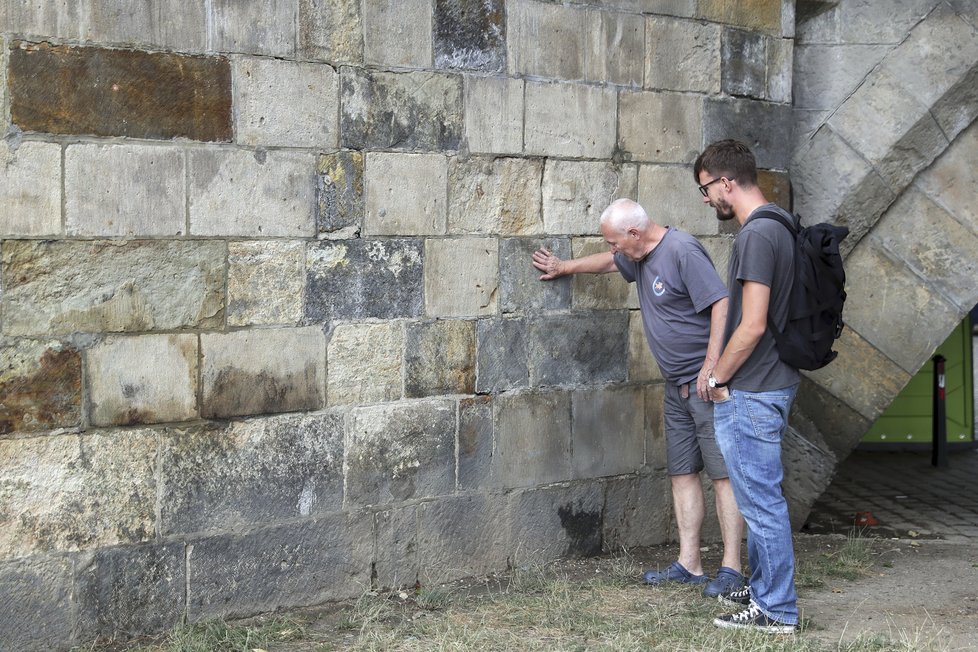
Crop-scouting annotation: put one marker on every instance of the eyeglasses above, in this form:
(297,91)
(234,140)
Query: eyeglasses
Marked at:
(707,185)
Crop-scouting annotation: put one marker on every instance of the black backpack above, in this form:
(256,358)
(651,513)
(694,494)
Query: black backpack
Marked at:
(817,296)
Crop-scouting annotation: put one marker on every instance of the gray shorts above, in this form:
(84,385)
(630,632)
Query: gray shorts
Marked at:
(690,443)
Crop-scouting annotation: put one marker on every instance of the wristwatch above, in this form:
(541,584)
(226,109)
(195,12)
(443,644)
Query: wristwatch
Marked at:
(714,383)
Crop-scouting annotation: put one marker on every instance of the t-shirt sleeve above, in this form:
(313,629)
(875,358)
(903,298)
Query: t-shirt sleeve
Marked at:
(703,284)
(626,267)
(757,257)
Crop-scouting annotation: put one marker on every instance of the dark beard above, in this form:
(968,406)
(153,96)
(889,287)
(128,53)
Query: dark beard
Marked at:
(723,217)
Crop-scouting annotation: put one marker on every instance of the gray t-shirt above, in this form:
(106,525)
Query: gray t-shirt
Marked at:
(676,284)
(764,251)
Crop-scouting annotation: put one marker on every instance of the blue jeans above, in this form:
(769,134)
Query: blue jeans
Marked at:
(749,428)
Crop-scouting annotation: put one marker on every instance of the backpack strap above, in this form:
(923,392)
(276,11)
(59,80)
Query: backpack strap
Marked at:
(777,217)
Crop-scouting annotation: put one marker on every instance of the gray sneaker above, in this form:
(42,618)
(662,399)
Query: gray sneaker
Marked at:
(753,618)
(740,597)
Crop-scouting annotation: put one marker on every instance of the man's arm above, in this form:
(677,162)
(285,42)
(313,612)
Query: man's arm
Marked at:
(718,323)
(553,267)
(745,337)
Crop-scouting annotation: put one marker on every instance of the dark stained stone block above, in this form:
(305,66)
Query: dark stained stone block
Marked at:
(470,34)
(522,291)
(340,191)
(359,279)
(35,603)
(743,69)
(502,355)
(409,111)
(40,385)
(579,349)
(764,127)
(474,442)
(85,90)
(439,358)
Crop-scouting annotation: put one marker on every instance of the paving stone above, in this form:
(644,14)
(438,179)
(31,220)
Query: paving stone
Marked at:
(575,193)
(461,277)
(615,48)
(669,194)
(596,291)
(764,127)
(638,511)
(364,363)
(744,66)
(253,26)
(520,288)
(475,442)
(501,355)
(470,34)
(331,30)
(494,195)
(460,536)
(546,40)
(569,120)
(30,188)
(556,522)
(397,32)
(532,442)
(494,114)
(439,358)
(607,431)
(682,55)
(678,134)
(407,194)
(40,382)
(36,590)
(265,282)
(339,192)
(578,349)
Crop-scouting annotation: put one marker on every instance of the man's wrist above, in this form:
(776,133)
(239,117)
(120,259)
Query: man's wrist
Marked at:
(714,383)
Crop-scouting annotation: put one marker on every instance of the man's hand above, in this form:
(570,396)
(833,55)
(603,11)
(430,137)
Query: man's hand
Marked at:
(702,386)
(547,263)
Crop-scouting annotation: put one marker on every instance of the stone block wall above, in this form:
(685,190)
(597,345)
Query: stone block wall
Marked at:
(269,332)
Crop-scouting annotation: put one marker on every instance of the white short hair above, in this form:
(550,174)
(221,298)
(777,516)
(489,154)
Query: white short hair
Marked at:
(624,214)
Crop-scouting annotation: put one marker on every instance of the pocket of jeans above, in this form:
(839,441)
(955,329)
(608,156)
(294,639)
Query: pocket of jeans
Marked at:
(768,415)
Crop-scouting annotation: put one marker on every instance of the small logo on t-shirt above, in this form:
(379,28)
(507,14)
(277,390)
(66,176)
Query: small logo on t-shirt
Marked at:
(658,287)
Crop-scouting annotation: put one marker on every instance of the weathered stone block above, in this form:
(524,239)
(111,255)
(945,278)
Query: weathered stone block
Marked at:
(744,64)
(253,27)
(30,189)
(470,34)
(339,191)
(546,40)
(253,471)
(841,426)
(387,110)
(41,386)
(167,24)
(638,511)
(520,287)
(331,30)
(959,107)
(285,103)
(243,193)
(776,187)
(501,361)
(400,451)
(948,180)
(719,249)
(759,15)
(396,557)
(597,291)
(498,195)
(140,190)
(682,55)
(556,522)
(615,48)
(607,431)
(439,358)
(102,286)
(475,442)
(578,349)
(70,492)
(780,67)
(128,591)
(361,279)
(285,566)
(668,194)
(57,20)
(532,432)
(62,89)
(461,277)
(406,194)
(462,537)
(397,33)
(764,127)
(655,428)
(642,367)
(569,120)
(808,470)
(494,114)
(265,282)
(661,127)
(36,603)
(143,379)
(364,363)
(826,74)
(575,193)
(261,371)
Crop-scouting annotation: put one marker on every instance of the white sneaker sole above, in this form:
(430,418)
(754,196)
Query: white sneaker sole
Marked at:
(767,629)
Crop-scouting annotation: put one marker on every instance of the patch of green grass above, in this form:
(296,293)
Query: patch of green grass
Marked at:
(852,561)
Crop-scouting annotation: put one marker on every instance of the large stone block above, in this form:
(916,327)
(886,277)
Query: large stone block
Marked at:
(948,180)
(253,26)
(166,24)
(764,127)
(597,291)
(578,349)
(475,442)
(575,193)
(669,195)
(744,64)
(360,279)
(470,34)
(140,190)
(841,427)
(291,565)
(546,40)
(104,286)
(265,282)
(532,439)
(569,120)
(959,107)
(340,193)
(825,75)
(780,68)
(395,559)
(248,472)
(259,194)
(41,386)
(142,379)
(655,427)
(406,194)
(461,277)
(70,492)
(400,451)
(556,522)
(501,355)
(637,512)
(129,591)
(760,15)
(285,103)
(364,363)
(462,536)
(439,358)
(494,114)
(808,470)
(262,371)
(661,127)
(397,33)
(682,55)
(411,110)
(859,22)
(607,431)
(498,195)
(521,289)
(57,20)
(30,189)
(615,48)
(62,89)
(36,612)
(642,367)
(331,30)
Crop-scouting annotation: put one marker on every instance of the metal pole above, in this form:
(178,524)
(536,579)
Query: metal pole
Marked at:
(938,454)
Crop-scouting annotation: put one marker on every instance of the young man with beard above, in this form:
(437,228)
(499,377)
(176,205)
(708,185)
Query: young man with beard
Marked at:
(751,388)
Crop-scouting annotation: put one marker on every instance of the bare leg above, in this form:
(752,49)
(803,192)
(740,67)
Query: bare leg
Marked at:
(731,523)
(687,497)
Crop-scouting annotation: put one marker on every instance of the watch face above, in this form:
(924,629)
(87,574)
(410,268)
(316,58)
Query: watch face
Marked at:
(711,381)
